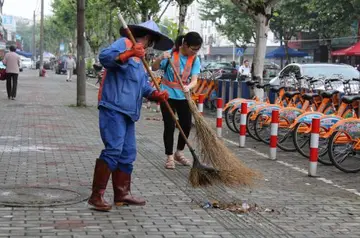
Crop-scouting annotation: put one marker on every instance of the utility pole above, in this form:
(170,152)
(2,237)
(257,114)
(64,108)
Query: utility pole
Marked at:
(81,77)
(33,39)
(41,39)
(1,5)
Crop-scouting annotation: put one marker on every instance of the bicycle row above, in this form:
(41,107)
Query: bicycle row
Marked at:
(333,100)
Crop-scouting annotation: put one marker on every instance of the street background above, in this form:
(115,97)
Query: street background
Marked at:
(47,145)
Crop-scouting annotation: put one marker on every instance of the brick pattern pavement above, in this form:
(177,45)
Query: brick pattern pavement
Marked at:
(45,141)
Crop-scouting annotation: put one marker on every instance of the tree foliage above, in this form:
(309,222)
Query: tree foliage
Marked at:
(261,11)
(235,25)
(169,28)
(102,25)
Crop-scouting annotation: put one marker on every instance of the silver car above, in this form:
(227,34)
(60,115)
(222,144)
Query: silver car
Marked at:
(317,70)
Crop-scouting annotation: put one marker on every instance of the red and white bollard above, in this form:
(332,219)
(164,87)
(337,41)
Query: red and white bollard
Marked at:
(157,107)
(243,125)
(201,103)
(274,134)
(219,111)
(314,146)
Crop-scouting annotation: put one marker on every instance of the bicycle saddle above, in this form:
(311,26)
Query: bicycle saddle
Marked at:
(350,98)
(291,94)
(262,85)
(309,96)
(328,94)
(251,83)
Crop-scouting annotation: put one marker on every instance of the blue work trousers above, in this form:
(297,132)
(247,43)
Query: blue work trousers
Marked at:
(117,132)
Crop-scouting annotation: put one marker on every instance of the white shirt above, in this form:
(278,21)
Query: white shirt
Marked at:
(243,70)
(12,62)
(70,63)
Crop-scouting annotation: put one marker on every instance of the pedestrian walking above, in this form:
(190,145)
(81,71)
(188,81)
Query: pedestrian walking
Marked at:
(70,65)
(120,98)
(188,66)
(12,62)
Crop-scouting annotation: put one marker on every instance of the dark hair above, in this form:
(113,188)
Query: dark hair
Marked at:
(12,48)
(191,39)
(139,33)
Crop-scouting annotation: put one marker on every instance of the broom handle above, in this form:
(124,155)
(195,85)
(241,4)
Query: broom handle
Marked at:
(130,35)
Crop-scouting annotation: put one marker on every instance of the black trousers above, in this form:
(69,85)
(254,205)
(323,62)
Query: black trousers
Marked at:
(182,109)
(11,84)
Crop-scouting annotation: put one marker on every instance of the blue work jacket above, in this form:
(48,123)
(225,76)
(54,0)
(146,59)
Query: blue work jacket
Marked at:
(124,85)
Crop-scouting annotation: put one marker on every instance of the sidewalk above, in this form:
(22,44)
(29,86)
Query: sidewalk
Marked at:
(47,154)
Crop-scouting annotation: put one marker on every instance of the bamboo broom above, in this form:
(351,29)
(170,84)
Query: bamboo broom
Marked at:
(231,171)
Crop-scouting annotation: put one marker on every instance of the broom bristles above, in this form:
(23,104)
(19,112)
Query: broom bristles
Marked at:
(231,171)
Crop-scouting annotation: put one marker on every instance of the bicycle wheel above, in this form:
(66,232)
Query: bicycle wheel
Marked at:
(262,128)
(343,153)
(323,151)
(236,120)
(285,141)
(250,126)
(228,119)
(301,139)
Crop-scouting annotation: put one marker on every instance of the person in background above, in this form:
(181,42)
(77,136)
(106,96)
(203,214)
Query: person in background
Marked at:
(233,63)
(70,65)
(123,86)
(184,58)
(12,62)
(244,70)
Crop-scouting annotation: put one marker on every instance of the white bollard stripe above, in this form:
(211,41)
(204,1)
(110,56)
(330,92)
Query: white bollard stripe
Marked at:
(201,107)
(243,119)
(218,131)
(314,140)
(219,113)
(242,141)
(274,129)
(312,168)
(273,153)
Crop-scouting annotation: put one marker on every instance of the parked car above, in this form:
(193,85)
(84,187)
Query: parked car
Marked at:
(21,66)
(226,69)
(317,70)
(60,65)
(47,64)
(26,62)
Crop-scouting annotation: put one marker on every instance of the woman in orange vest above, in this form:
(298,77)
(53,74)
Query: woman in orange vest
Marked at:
(188,65)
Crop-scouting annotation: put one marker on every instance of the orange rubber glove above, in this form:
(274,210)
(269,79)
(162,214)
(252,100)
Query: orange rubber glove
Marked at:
(137,51)
(159,96)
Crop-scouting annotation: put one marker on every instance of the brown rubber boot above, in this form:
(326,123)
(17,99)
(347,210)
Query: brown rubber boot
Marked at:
(122,195)
(101,178)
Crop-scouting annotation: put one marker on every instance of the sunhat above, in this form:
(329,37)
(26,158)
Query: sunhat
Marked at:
(162,42)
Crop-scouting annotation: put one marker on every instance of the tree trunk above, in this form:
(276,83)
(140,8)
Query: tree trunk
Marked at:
(182,15)
(259,56)
(287,51)
(282,58)
(328,45)
(81,72)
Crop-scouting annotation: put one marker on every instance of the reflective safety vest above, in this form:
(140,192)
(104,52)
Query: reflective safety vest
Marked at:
(185,74)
